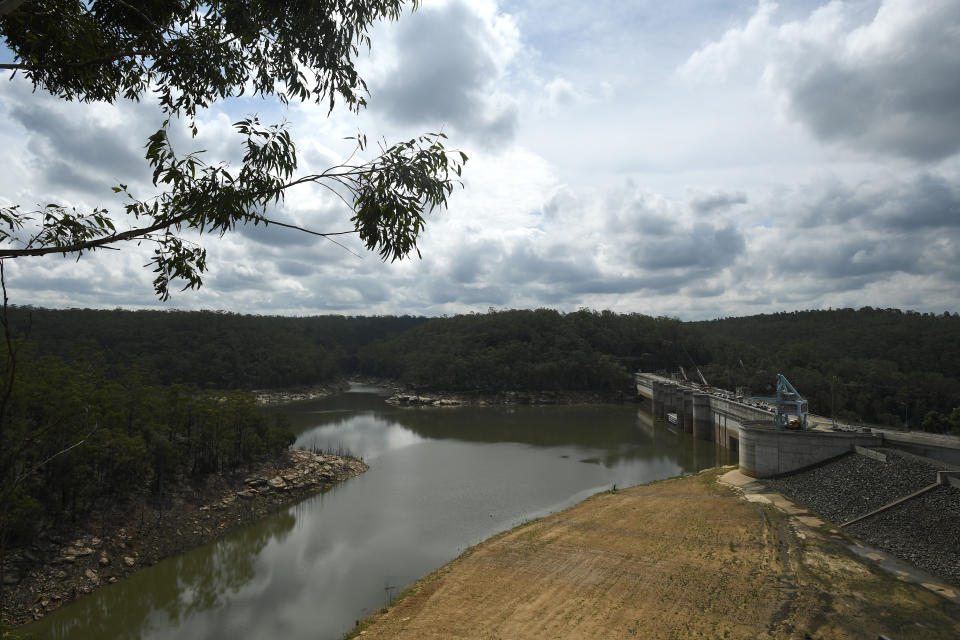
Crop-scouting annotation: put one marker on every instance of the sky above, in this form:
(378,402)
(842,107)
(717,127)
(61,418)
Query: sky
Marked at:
(694,159)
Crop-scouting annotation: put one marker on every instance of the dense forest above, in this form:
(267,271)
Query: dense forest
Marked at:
(78,438)
(881,366)
(105,404)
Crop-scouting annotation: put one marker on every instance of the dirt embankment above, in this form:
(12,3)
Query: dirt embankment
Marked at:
(58,569)
(682,558)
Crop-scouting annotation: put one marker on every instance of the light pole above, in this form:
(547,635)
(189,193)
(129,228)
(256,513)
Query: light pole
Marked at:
(833,404)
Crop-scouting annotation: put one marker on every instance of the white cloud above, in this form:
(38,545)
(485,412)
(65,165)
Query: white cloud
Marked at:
(889,85)
(801,158)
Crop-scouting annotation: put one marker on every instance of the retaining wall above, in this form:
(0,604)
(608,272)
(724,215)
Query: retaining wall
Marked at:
(767,452)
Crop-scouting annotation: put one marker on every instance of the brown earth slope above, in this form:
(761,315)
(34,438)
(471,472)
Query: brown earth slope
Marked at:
(682,558)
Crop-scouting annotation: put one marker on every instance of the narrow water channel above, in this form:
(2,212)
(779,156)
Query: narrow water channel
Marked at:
(440,480)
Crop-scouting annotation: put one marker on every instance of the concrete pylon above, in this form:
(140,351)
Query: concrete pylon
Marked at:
(702,417)
(685,415)
(658,401)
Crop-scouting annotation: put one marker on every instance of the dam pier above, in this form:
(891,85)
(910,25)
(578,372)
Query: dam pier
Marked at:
(747,426)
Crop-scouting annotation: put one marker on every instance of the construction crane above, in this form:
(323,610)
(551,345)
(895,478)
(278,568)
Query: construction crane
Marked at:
(791,407)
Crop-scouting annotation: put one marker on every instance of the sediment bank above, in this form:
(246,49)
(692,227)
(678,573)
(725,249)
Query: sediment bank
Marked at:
(60,568)
(680,558)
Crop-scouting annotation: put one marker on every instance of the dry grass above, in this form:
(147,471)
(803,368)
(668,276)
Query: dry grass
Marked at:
(684,558)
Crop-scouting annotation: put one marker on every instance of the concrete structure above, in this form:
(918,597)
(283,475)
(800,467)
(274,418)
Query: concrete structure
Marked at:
(702,417)
(747,428)
(937,446)
(712,417)
(767,452)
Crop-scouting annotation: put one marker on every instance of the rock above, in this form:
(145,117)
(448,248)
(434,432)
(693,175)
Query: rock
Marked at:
(95,542)
(83,552)
(61,575)
(69,559)
(103,561)
(91,575)
(276,482)
(127,560)
(247,494)
(112,579)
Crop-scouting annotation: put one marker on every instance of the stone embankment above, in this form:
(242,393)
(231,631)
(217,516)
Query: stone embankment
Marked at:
(921,530)
(58,569)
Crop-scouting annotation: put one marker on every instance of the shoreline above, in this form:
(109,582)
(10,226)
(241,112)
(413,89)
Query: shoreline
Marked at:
(704,555)
(399,394)
(60,568)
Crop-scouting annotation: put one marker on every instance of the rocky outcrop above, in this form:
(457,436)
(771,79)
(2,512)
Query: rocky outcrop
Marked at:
(279,396)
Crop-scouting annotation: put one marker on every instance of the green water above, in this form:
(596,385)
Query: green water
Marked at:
(440,480)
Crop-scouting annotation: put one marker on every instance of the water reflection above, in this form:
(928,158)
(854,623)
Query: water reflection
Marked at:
(168,594)
(440,480)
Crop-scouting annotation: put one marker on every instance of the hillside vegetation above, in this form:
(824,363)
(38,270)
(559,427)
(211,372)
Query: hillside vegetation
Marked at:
(881,366)
(110,405)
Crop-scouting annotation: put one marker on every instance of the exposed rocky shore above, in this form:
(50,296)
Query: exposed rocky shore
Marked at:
(297,394)
(922,530)
(60,568)
(442,399)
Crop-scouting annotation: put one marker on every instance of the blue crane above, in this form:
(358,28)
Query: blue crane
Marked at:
(789,403)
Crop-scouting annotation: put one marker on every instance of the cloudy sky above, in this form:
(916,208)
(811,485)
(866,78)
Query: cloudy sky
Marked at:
(693,158)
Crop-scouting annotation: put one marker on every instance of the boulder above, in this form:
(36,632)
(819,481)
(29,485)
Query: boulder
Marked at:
(127,560)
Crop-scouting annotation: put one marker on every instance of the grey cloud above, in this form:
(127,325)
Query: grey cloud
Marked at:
(852,263)
(295,268)
(929,201)
(474,260)
(85,144)
(924,201)
(565,267)
(445,77)
(715,202)
(276,236)
(703,246)
(903,101)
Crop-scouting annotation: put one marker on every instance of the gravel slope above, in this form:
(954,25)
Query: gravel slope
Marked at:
(923,530)
(855,485)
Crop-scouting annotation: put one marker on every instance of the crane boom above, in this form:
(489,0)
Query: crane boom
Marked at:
(789,403)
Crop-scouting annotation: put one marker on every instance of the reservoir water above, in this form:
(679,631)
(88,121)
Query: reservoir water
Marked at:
(440,480)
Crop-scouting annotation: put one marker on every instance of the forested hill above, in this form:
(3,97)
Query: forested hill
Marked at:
(207,348)
(879,366)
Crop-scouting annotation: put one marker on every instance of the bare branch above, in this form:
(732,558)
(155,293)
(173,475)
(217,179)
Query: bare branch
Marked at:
(317,233)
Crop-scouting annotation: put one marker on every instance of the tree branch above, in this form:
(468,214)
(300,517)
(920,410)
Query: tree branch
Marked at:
(317,233)
(96,243)
(9,6)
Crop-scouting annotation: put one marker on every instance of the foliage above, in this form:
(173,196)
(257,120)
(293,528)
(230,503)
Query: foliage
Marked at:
(191,54)
(875,366)
(879,366)
(77,440)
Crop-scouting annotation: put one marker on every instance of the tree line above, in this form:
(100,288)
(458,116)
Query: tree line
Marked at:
(106,404)
(79,438)
(882,366)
